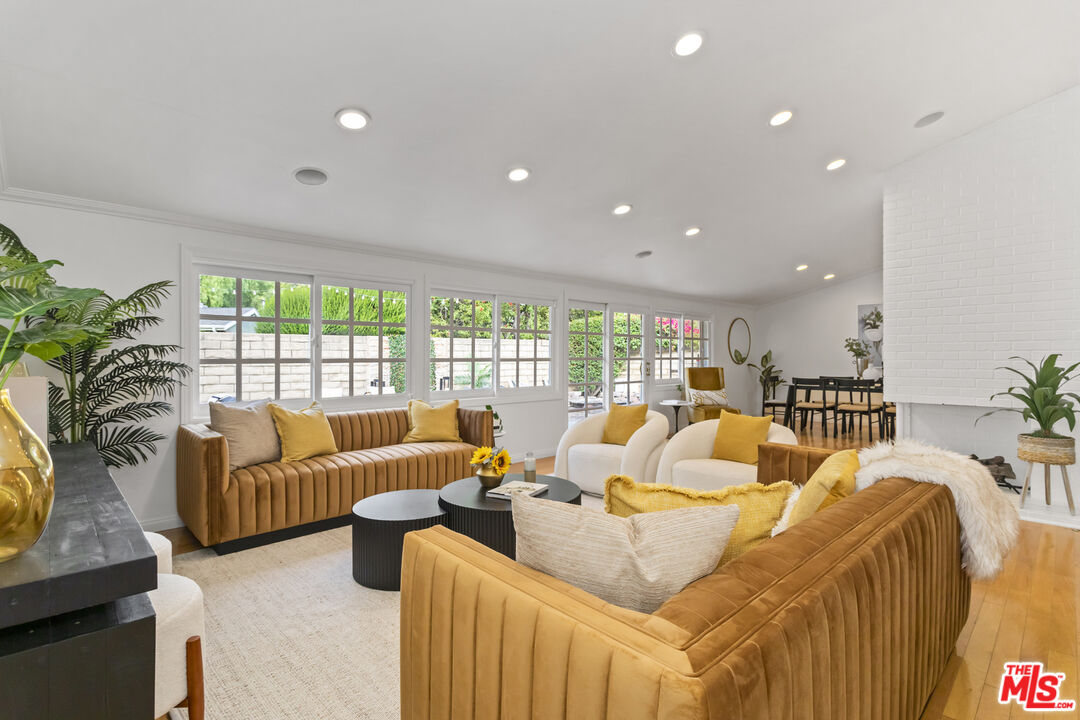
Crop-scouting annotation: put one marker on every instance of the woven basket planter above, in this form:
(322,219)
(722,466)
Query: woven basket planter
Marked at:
(1052,451)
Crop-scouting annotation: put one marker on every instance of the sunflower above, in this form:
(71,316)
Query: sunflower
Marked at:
(481,456)
(501,462)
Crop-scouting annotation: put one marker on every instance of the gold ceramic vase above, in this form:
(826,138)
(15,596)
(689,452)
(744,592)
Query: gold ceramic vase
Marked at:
(489,477)
(26,482)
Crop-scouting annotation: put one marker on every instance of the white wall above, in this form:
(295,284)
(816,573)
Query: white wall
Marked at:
(118,253)
(982,261)
(806,332)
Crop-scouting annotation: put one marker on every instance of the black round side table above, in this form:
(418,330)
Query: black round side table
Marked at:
(471,512)
(379,525)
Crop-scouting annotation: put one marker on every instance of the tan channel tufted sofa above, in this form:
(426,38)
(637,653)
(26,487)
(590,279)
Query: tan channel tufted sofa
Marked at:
(852,613)
(221,507)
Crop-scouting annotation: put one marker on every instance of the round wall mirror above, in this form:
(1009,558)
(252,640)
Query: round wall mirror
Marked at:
(738,340)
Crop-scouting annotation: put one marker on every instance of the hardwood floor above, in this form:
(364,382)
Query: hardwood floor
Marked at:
(1029,612)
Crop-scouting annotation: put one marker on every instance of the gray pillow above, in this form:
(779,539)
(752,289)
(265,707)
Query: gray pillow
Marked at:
(636,562)
(249,431)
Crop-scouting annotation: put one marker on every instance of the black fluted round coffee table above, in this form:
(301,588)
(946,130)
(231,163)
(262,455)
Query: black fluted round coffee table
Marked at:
(470,512)
(379,525)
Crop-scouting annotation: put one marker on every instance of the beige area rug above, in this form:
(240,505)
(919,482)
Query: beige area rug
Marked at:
(289,634)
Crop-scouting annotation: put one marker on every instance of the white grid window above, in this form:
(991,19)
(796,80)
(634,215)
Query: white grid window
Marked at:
(668,334)
(585,335)
(363,341)
(254,338)
(462,349)
(627,357)
(695,343)
(524,344)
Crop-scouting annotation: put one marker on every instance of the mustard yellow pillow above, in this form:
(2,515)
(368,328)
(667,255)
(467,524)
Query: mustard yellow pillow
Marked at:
(737,437)
(432,424)
(760,506)
(622,422)
(833,481)
(304,433)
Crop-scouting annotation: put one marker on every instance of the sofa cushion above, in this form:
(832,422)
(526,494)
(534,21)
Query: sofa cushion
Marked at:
(760,506)
(737,437)
(590,465)
(709,474)
(304,433)
(636,562)
(432,424)
(622,422)
(249,432)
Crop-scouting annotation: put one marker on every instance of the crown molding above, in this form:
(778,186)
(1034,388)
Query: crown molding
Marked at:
(66,202)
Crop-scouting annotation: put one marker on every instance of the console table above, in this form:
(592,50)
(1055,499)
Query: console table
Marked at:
(76,625)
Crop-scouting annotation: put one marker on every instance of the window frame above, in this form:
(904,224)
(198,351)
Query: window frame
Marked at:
(677,355)
(705,341)
(495,392)
(197,264)
(629,310)
(351,323)
(605,358)
(517,331)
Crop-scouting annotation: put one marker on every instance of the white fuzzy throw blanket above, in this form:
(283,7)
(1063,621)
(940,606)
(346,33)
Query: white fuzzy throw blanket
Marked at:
(989,523)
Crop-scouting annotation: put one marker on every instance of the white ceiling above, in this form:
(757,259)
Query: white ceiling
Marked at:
(205,107)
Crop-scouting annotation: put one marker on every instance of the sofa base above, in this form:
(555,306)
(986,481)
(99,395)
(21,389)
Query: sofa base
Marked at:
(266,538)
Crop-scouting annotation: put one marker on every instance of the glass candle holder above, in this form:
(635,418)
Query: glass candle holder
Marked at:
(530,467)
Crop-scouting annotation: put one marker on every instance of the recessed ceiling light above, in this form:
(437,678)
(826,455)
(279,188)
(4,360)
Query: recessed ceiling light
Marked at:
(643,254)
(836,164)
(518,174)
(780,118)
(352,119)
(830,276)
(310,176)
(801,268)
(691,232)
(929,119)
(622,209)
(689,44)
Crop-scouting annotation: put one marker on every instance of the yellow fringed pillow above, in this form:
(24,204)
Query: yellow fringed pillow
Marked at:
(833,481)
(622,422)
(737,437)
(760,506)
(432,424)
(304,433)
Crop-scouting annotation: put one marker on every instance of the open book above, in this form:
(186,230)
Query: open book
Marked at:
(516,487)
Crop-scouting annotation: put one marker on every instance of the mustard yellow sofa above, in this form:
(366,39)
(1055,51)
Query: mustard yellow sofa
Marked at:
(852,613)
(221,507)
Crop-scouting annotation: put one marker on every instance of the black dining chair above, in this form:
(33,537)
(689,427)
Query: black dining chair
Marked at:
(808,398)
(862,398)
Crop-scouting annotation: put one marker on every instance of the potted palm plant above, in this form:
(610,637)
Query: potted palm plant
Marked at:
(1046,404)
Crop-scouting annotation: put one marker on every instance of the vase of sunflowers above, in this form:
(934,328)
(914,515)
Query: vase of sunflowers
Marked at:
(491,465)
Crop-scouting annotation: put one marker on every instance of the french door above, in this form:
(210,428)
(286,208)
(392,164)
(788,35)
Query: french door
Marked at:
(626,372)
(587,360)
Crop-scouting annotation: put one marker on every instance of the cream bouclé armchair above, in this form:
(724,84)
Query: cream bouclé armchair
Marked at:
(687,458)
(583,458)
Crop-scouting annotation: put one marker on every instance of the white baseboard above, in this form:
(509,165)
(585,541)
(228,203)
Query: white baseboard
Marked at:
(166,522)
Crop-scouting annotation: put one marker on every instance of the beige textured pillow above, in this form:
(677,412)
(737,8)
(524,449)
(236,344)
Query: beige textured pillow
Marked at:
(249,431)
(636,562)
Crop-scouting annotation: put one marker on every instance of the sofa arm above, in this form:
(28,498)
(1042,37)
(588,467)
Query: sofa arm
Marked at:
(480,632)
(476,427)
(796,463)
(202,474)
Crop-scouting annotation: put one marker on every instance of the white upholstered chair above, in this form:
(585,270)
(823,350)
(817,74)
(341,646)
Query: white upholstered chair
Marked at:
(583,458)
(178,605)
(687,458)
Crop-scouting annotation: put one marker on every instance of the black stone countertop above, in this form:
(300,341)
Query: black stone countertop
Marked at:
(93,551)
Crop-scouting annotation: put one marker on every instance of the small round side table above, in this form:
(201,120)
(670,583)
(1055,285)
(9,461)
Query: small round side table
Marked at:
(676,406)
(379,525)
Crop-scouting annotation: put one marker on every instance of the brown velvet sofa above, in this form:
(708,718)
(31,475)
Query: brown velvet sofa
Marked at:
(276,500)
(852,613)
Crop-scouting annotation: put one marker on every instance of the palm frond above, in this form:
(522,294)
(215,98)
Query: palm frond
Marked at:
(129,412)
(126,445)
(11,245)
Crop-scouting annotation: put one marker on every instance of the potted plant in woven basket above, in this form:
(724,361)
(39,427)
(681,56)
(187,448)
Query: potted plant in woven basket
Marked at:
(1046,404)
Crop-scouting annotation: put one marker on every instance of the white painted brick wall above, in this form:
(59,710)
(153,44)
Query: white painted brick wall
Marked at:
(982,255)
